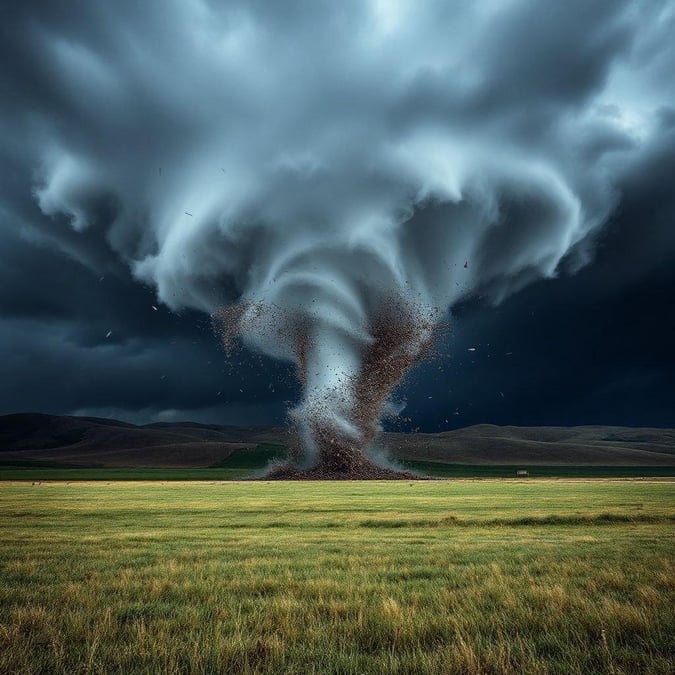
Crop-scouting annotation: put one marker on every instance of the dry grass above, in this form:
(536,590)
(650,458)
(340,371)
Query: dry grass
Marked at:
(423,577)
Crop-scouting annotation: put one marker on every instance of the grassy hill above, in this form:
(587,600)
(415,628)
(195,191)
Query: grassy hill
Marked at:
(36,446)
(89,441)
(489,444)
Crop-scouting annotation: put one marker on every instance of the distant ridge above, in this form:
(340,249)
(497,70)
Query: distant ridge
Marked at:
(90,441)
(572,446)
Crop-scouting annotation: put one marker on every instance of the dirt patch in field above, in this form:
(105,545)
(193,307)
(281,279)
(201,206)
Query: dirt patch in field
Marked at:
(363,469)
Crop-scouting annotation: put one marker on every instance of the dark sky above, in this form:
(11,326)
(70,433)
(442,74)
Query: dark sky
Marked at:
(562,120)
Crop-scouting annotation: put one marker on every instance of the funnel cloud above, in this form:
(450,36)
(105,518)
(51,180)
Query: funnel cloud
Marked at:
(327,179)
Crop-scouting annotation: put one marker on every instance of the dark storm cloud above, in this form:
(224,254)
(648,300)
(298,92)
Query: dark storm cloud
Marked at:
(59,299)
(595,347)
(408,138)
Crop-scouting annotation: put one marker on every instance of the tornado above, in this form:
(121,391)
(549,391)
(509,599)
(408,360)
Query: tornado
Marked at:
(329,180)
(347,377)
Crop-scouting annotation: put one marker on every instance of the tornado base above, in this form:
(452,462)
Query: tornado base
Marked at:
(340,461)
(365,470)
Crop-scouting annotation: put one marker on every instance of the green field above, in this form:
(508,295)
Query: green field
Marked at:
(249,463)
(239,464)
(489,576)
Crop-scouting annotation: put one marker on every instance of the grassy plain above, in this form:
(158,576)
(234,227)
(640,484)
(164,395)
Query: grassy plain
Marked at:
(488,576)
(237,469)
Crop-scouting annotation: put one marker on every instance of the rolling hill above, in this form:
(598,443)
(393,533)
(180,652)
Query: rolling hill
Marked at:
(585,445)
(90,441)
(86,441)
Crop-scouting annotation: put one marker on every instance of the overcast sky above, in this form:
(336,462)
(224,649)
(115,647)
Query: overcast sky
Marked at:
(159,160)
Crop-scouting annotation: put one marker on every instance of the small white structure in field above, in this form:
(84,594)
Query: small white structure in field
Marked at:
(522,473)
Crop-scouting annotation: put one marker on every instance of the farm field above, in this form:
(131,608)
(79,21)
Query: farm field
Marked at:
(462,576)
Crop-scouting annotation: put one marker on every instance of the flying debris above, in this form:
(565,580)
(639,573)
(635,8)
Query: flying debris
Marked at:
(108,334)
(466,264)
(471,349)
(155,308)
(187,213)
